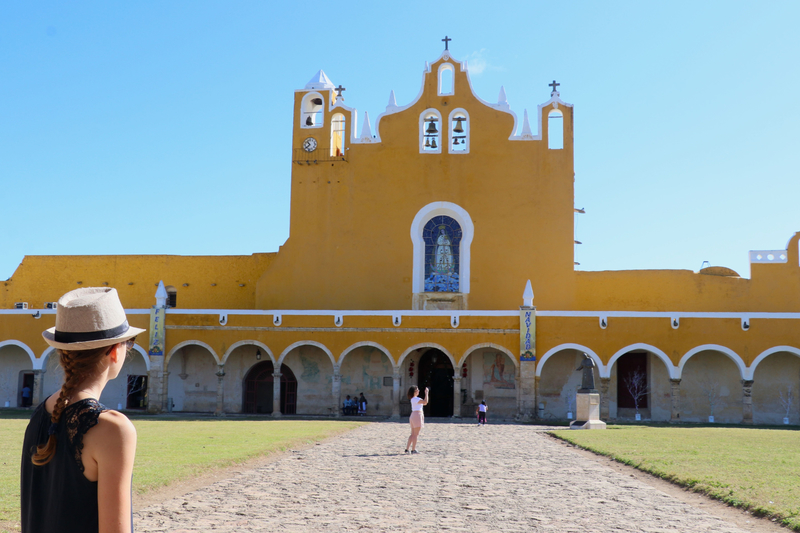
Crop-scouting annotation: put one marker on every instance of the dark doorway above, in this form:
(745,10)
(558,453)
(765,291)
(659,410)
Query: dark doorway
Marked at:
(258,390)
(436,373)
(27,381)
(628,366)
(137,392)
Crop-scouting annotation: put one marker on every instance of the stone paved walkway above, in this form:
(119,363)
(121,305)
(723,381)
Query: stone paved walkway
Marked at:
(467,478)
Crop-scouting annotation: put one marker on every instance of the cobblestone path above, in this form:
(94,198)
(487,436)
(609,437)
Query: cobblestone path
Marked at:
(466,478)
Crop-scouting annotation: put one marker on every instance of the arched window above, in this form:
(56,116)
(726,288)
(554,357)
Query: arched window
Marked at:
(459,132)
(446,82)
(337,135)
(312,111)
(442,237)
(555,130)
(430,132)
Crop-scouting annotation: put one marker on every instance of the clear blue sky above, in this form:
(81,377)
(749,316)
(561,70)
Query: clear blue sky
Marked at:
(164,127)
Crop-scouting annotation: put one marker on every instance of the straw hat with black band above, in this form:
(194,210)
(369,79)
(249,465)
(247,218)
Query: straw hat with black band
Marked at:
(89,317)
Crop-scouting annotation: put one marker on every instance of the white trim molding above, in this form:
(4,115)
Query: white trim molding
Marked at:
(298,344)
(467,233)
(180,345)
(570,346)
(25,348)
(671,368)
(259,344)
(361,344)
(491,346)
(713,348)
(427,345)
(751,370)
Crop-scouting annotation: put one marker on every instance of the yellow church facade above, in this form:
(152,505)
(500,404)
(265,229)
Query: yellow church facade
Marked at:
(431,247)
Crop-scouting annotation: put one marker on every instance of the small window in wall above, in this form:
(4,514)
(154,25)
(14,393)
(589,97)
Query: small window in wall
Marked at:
(172,296)
(555,130)
(311,111)
(446,74)
(337,135)
(459,132)
(430,124)
(442,236)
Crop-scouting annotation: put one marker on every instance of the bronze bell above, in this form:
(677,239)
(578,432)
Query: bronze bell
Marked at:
(432,128)
(316,101)
(459,128)
(427,143)
(309,121)
(433,144)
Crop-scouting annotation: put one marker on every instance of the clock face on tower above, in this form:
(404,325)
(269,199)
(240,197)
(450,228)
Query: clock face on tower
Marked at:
(310,144)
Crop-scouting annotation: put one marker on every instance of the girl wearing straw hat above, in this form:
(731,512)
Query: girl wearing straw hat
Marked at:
(77,456)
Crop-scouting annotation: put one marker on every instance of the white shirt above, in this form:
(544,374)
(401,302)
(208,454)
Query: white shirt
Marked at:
(482,407)
(415,403)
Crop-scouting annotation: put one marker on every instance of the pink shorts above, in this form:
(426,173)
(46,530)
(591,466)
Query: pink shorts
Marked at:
(417,419)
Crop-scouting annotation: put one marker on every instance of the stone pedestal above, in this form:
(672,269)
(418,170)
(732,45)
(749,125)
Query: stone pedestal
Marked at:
(588,411)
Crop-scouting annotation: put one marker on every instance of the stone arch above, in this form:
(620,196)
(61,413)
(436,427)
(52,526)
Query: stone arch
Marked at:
(26,349)
(751,370)
(235,345)
(572,346)
(427,345)
(189,343)
(673,370)
(366,343)
(715,348)
(491,345)
(145,355)
(297,344)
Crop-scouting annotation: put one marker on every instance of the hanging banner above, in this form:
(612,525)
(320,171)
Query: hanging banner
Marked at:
(527,334)
(157,316)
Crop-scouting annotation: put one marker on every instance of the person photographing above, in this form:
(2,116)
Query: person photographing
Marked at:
(417,418)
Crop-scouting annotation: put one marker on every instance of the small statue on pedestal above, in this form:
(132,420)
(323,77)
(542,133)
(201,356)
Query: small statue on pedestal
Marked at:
(587,365)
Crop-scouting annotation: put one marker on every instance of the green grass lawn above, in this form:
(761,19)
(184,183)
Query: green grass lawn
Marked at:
(753,468)
(171,450)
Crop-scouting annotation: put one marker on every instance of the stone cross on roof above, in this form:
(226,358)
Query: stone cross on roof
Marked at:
(339,90)
(554,85)
(446,41)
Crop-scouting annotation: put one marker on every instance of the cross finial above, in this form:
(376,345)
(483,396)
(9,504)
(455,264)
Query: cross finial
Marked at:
(446,41)
(339,90)
(554,85)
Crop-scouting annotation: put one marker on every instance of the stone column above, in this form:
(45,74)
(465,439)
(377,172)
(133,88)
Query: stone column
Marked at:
(536,397)
(396,394)
(747,401)
(220,411)
(157,390)
(605,400)
(276,394)
(457,394)
(675,394)
(36,396)
(337,391)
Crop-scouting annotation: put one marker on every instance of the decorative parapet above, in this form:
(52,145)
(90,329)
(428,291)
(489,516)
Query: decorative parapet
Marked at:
(768,256)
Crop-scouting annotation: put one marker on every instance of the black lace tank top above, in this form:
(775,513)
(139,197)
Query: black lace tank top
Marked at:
(57,497)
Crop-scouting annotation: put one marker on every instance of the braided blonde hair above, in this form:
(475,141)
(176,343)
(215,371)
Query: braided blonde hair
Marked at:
(78,365)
